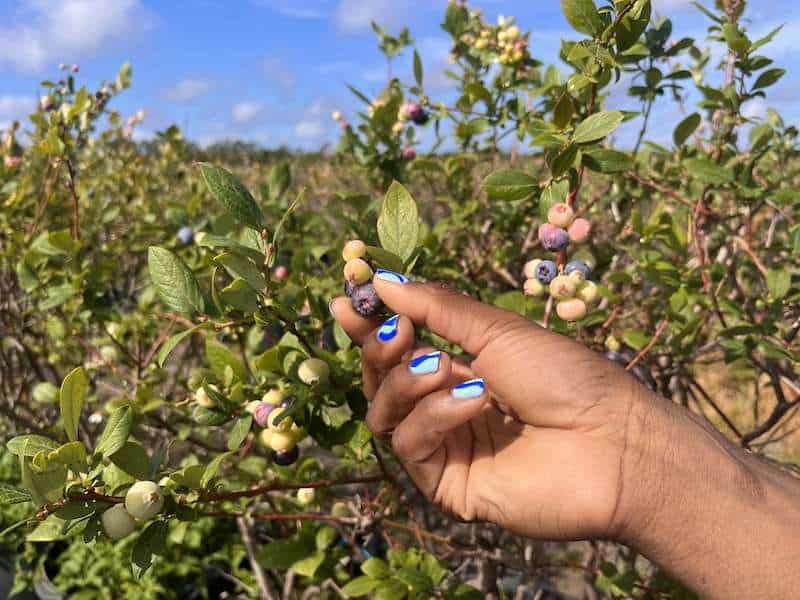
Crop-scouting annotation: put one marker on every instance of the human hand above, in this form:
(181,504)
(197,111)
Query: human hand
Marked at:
(542,450)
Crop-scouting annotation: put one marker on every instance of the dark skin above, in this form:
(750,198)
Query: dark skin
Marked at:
(564,444)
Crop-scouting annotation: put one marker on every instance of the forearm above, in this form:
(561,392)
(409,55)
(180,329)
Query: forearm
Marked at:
(722,520)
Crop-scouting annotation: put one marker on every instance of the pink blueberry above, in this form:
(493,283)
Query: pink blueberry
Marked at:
(281,272)
(579,231)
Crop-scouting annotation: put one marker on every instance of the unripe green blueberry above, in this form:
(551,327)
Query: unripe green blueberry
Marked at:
(283,426)
(282,442)
(354,249)
(339,509)
(563,287)
(529,270)
(252,406)
(273,396)
(357,271)
(144,500)
(117,523)
(588,292)
(202,398)
(612,343)
(109,353)
(533,287)
(313,371)
(305,496)
(560,215)
(265,437)
(572,309)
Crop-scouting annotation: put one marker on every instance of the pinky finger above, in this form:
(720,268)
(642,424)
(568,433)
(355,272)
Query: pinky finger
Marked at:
(419,440)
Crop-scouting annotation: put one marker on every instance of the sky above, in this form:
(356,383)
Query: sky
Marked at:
(272,71)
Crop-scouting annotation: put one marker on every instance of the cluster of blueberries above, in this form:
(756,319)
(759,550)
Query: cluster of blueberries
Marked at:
(358,280)
(281,437)
(570,287)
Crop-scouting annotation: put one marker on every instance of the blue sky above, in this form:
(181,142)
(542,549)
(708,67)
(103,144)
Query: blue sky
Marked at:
(271,71)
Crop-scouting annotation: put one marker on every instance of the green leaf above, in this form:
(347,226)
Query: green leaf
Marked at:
(208,240)
(132,458)
(597,126)
(30,445)
(243,267)
(706,170)
(635,339)
(398,222)
(282,554)
(417,68)
(232,195)
(508,184)
(554,193)
(583,16)
(632,25)
(779,281)
(563,160)
(768,78)
(212,468)
(391,590)
(44,392)
(71,455)
(71,399)
(151,541)
(240,296)
(174,340)
(280,178)
(686,128)
(386,259)
(308,566)
(326,535)
(239,431)
(174,281)
(48,530)
(116,432)
(375,567)
(360,586)
(12,495)
(219,357)
(605,160)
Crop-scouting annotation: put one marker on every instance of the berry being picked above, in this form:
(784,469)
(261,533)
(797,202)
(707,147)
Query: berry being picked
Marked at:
(577,269)
(533,287)
(117,523)
(185,235)
(357,271)
(366,301)
(313,371)
(348,289)
(281,272)
(553,238)
(144,500)
(529,270)
(572,309)
(546,271)
(283,425)
(588,292)
(579,230)
(563,287)
(354,249)
(284,459)
(560,215)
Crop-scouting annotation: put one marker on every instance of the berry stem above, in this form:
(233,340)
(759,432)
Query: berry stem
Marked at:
(262,490)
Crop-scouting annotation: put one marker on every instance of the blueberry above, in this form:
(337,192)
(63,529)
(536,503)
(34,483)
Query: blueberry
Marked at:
(366,301)
(553,238)
(577,265)
(375,546)
(546,271)
(348,288)
(284,459)
(185,235)
(286,402)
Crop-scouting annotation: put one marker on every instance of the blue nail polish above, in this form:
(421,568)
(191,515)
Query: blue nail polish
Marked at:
(469,389)
(388,330)
(425,364)
(391,276)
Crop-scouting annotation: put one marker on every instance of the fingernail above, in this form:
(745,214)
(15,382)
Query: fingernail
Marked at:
(388,330)
(425,364)
(391,276)
(469,389)
(330,308)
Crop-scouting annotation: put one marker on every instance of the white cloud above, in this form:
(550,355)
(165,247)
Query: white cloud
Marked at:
(187,89)
(275,70)
(243,112)
(356,15)
(309,129)
(755,109)
(15,108)
(51,31)
(314,124)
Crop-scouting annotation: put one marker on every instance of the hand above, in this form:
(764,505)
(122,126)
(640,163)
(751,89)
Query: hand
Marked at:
(542,451)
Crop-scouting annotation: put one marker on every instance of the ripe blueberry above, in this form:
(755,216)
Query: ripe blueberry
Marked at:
(144,500)
(577,268)
(579,230)
(185,235)
(546,271)
(553,238)
(563,287)
(560,215)
(572,309)
(284,459)
(354,249)
(366,301)
(357,271)
(117,523)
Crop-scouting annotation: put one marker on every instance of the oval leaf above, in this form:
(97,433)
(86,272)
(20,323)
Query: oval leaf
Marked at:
(174,282)
(398,222)
(597,126)
(71,398)
(509,184)
(232,195)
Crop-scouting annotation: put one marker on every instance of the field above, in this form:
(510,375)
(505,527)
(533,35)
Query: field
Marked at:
(154,294)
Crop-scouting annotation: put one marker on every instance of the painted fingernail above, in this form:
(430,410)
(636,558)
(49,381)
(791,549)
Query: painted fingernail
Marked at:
(391,276)
(388,330)
(469,389)
(425,364)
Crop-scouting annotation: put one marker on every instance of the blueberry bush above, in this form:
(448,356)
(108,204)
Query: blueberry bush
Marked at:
(183,419)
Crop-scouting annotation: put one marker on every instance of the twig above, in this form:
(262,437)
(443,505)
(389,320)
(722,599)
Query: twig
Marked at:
(258,572)
(643,352)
